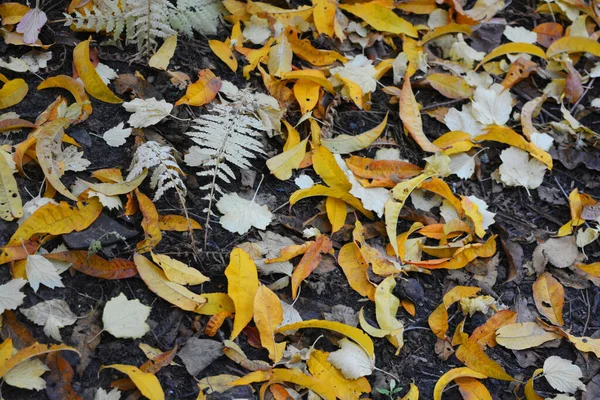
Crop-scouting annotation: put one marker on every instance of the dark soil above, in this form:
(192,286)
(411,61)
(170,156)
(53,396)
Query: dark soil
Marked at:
(522,218)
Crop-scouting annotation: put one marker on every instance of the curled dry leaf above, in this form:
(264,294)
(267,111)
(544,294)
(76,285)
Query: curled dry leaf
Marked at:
(87,72)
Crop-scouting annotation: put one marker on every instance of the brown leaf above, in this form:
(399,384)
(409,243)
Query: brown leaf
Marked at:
(59,381)
(548,33)
(86,337)
(96,266)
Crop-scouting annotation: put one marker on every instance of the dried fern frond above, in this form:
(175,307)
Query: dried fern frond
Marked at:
(146,21)
(200,16)
(166,173)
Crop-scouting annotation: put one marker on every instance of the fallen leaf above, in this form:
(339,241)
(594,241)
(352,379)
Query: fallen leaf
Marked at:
(492,106)
(280,57)
(473,356)
(573,44)
(172,292)
(268,315)
(41,271)
(160,59)
(310,261)
(27,375)
(381,18)
(31,24)
(179,272)
(224,52)
(355,269)
(29,352)
(450,86)
(11,296)
(518,170)
(240,215)
(451,375)
(562,375)
(485,335)
(94,265)
(352,360)
(147,112)
(345,144)
(549,297)
(203,91)
(242,284)
(52,315)
(125,318)
(282,165)
(410,114)
(198,354)
(11,206)
(74,87)
(152,232)
(146,383)
(517,48)
(117,135)
(472,389)
(87,72)
(530,393)
(101,394)
(345,389)
(523,335)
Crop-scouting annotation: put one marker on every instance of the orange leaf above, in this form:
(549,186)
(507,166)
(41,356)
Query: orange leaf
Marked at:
(177,223)
(439,187)
(11,124)
(485,335)
(96,266)
(203,91)
(215,322)
(411,117)
(548,33)
(392,170)
(18,251)
(57,219)
(12,92)
(305,50)
(310,261)
(149,223)
(355,269)
(472,389)
(462,257)
(471,354)
(73,86)
(452,375)
(60,378)
(549,297)
(34,350)
(87,72)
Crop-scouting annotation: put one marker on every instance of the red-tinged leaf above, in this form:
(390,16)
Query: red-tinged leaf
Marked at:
(548,33)
(203,91)
(410,114)
(34,350)
(392,170)
(151,366)
(149,223)
(16,329)
(18,252)
(96,266)
(485,335)
(13,124)
(252,336)
(310,261)
(61,375)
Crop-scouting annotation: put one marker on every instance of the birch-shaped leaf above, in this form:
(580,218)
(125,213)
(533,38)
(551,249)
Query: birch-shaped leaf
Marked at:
(52,315)
(31,24)
(11,296)
(147,112)
(239,215)
(124,318)
(242,284)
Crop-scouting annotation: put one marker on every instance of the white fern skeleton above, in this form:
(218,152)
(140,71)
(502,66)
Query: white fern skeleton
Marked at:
(166,174)
(145,21)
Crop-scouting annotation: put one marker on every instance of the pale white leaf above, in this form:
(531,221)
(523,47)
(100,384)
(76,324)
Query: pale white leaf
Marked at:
(310,232)
(11,296)
(290,314)
(542,140)
(487,216)
(438,18)
(116,136)
(72,159)
(125,318)
(239,215)
(359,70)
(106,73)
(399,67)
(39,270)
(101,394)
(518,169)
(110,202)
(492,106)
(147,112)
(586,236)
(304,182)
(351,360)
(463,121)
(257,30)
(462,165)
(27,375)
(31,24)
(14,64)
(461,51)
(388,153)
(448,212)
(52,315)
(36,59)
(519,34)
(424,200)
(562,375)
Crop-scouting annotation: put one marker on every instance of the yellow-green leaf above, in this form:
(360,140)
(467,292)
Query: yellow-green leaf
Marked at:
(160,60)
(283,164)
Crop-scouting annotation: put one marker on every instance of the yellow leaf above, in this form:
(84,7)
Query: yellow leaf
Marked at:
(473,356)
(411,117)
(73,86)
(146,382)
(344,144)
(381,18)
(510,48)
(506,135)
(215,303)
(268,315)
(91,80)
(313,75)
(452,375)
(438,319)
(472,211)
(242,284)
(320,190)
(355,269)
(203,91)
(386,308)
(178,272)
(530,393)
(324,16)
(57,219)
(11,13)
(327,168)
(280,57)
(485,335)
(584,344)
(441,188)
(354,92)
(307,94)
(34,350)
(12,92)
(355,334)
(254,56)
(177,223)
(115,189)
(283,164)
(172,292)
(336,213)
(160,60)
(278,375)
(413,393)
(463,256)
(224,52)
(305,50)
(445,30)
(574,44)
(152,232)
(523,335)
(345,389)
(549,297)
(472,389)
(11,206)
(217,383)
(450,86)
